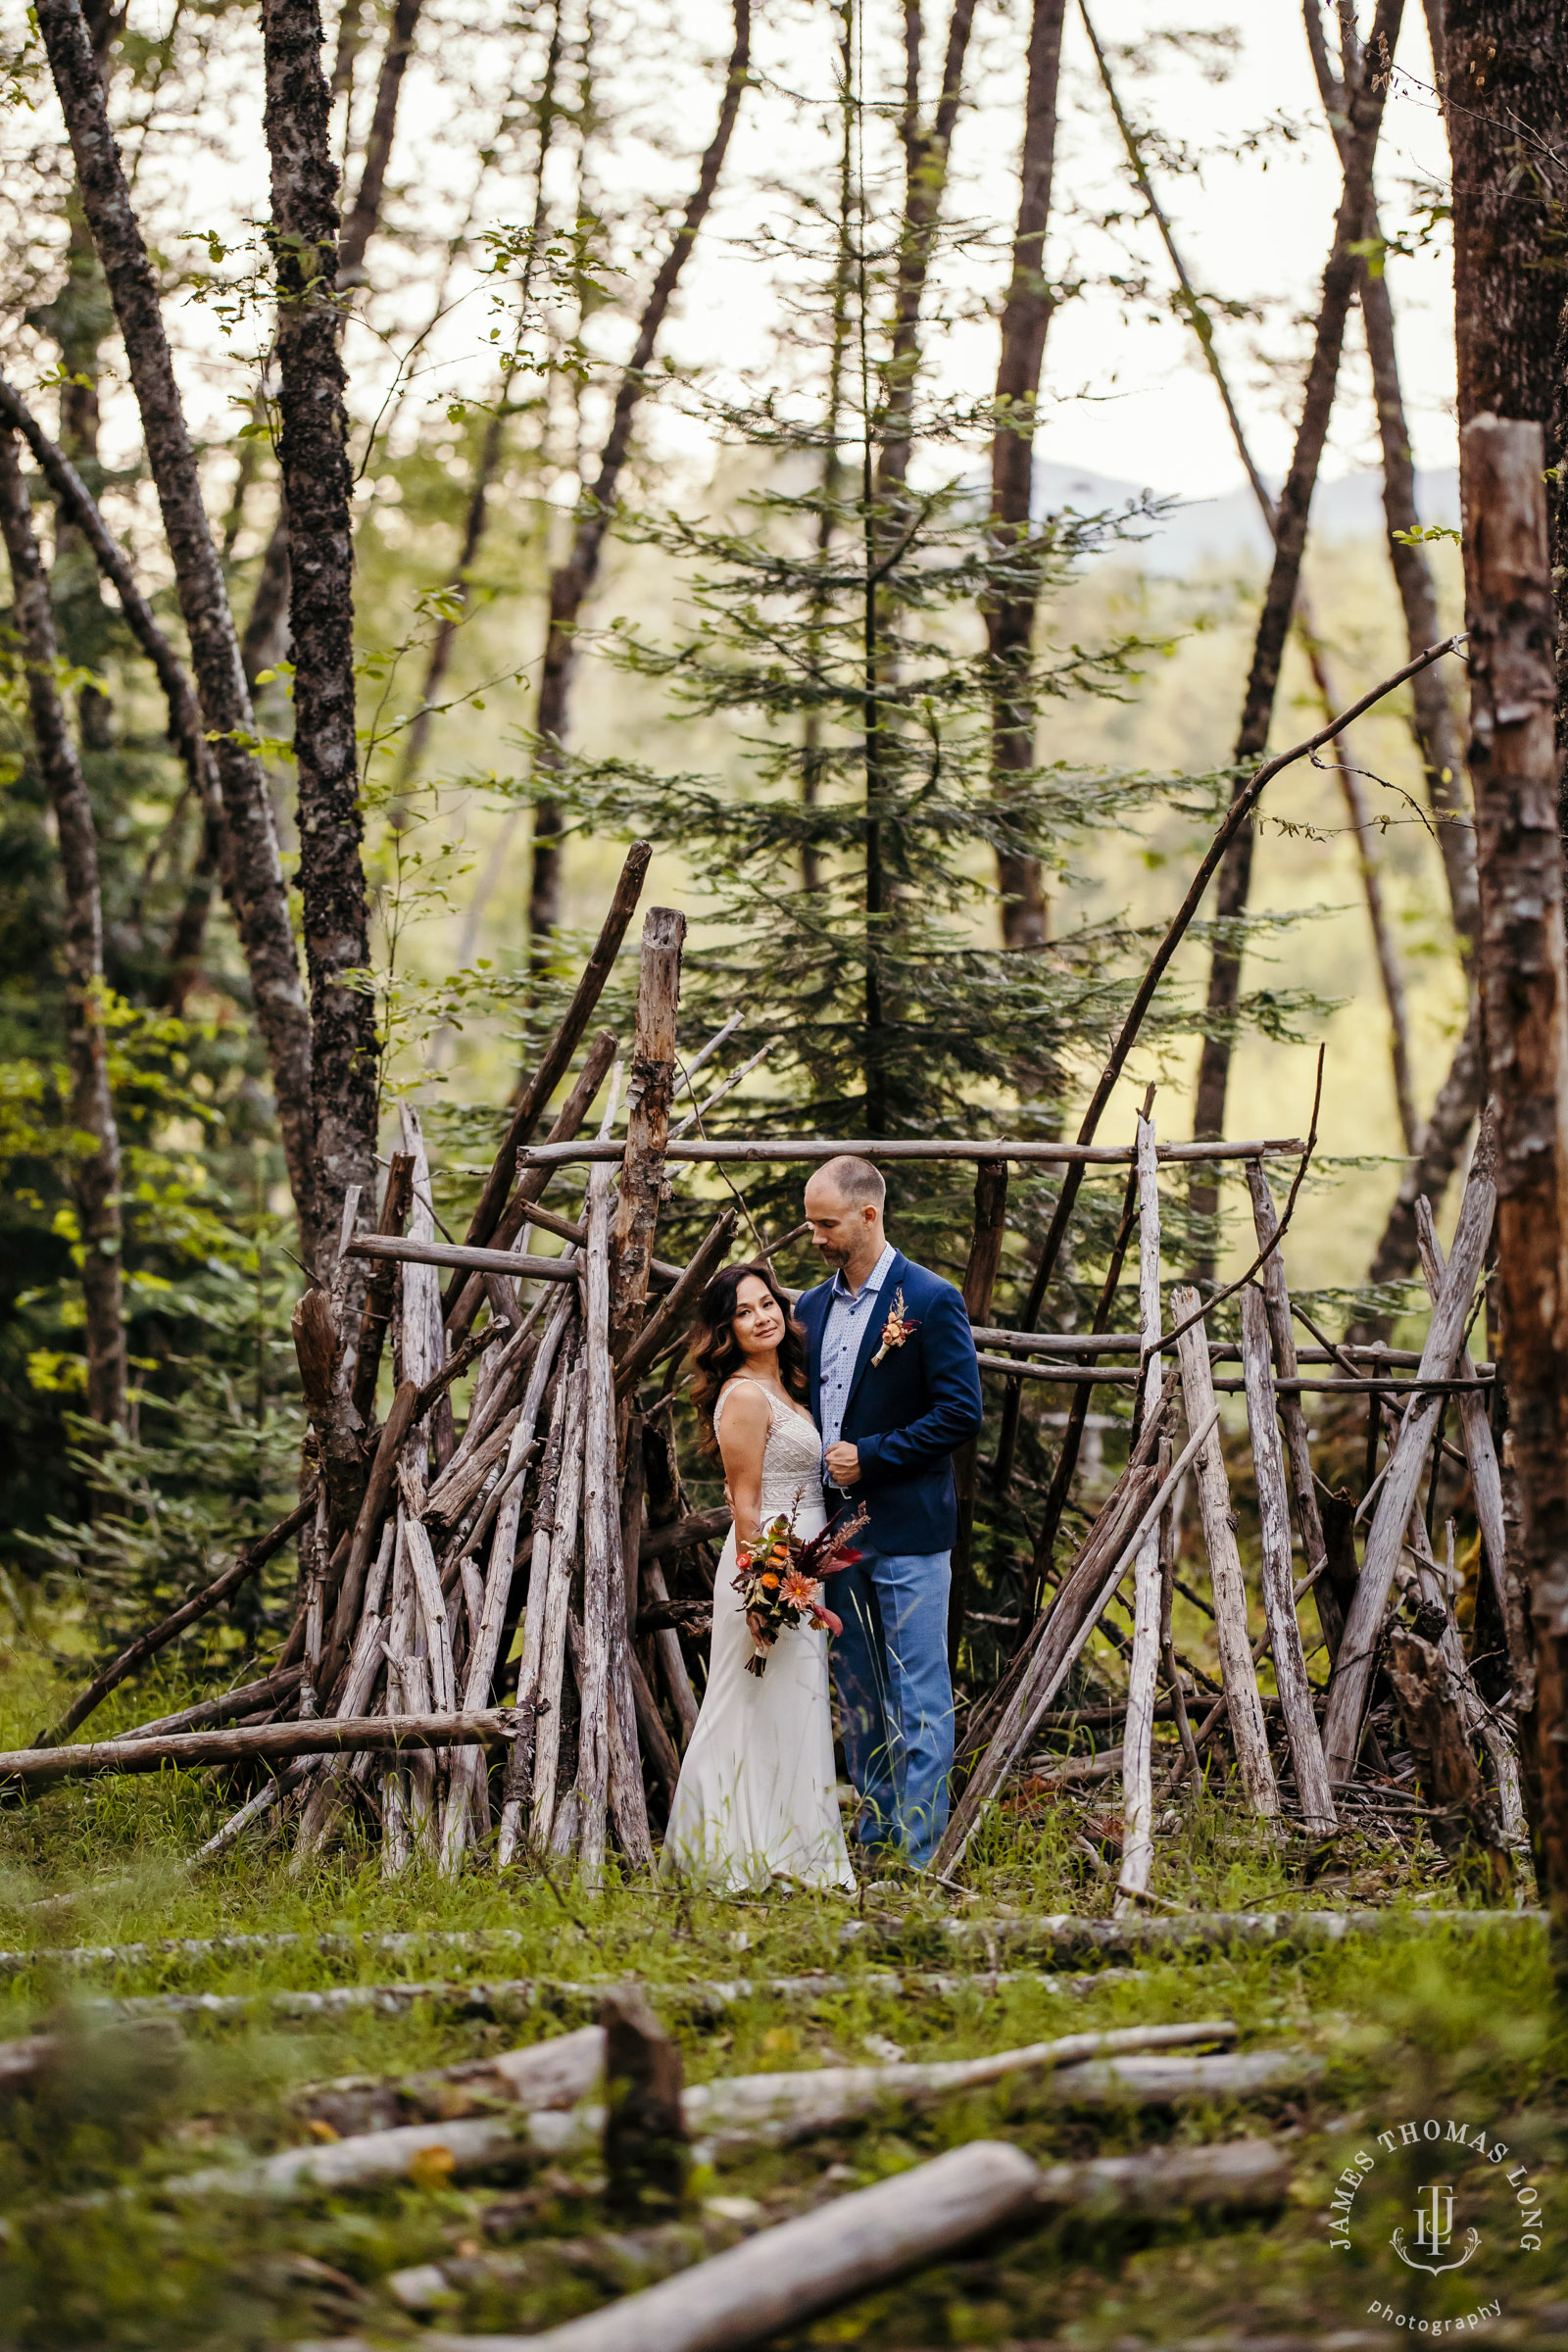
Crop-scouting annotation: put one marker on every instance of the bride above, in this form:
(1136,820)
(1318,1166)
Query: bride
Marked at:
(757,1798)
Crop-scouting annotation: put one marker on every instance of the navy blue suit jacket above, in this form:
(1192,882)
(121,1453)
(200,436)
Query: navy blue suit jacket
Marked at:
(908,1413)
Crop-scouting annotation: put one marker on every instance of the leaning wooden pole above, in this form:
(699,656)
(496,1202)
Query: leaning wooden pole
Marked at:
(1138,1742)
(1248,1731)
(1352,1679)
(1524,990)
(1279,1603)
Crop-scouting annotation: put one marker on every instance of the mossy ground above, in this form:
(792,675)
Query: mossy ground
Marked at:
(1410,2023)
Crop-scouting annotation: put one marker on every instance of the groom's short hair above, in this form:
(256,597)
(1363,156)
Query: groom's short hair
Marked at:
(855,1179)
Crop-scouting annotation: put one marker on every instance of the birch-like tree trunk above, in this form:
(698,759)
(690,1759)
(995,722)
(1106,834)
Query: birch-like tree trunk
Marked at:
(95,1173)
(256,873)
(1366,120)
(1010,612)
(313,453)
(571,583)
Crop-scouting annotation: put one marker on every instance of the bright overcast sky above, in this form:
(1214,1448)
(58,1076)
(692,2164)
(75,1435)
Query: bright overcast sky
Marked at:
(1123,392)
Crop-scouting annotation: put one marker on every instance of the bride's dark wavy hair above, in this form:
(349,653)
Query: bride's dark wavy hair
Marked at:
(714,1352)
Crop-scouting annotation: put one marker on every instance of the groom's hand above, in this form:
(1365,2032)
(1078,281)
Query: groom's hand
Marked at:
(843,1464)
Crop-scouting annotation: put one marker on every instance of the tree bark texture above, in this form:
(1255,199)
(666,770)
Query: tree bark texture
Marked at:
(95,1171)
(313,455)
(1365,119)
(979,1281)
(1504,81)
(1507,93)
(572,582)
(1010,614)
(647,1099)
(1524,987)
(256,874)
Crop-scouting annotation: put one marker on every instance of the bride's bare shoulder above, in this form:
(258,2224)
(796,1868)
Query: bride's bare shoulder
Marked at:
(746,1413)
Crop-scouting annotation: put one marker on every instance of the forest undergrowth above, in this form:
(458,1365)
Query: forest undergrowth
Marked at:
(98,2248)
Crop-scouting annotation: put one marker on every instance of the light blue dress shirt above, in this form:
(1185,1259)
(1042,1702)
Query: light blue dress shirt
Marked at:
(846,1317)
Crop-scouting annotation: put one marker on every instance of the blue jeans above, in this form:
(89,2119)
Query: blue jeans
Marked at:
(890,1664)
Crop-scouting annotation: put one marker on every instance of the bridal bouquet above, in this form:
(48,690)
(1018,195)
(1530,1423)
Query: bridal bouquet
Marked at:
(780,1576)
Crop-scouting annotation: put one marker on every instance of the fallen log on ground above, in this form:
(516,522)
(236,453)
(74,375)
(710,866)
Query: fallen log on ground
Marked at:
(200,1605)
(1178,2082)
(515,1997)
(1061,1934)
(1067,1935)
(265,1743)
(557,2073)
(786,2276)
(743,2111)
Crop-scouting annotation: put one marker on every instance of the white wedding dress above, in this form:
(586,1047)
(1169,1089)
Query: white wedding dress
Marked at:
(757,1798)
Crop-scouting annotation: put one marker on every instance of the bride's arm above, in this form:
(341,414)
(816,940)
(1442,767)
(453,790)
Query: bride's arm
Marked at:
(742,1443)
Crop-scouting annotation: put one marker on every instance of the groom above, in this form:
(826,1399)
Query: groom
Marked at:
(894,1388)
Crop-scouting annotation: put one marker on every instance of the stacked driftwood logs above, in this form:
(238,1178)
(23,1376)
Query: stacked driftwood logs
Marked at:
(424,1548)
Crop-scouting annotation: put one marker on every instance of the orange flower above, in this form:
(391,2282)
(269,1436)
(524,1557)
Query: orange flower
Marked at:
(769,1580)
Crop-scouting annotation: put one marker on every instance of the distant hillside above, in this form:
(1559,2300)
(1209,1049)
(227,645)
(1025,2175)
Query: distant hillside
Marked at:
(1229,529)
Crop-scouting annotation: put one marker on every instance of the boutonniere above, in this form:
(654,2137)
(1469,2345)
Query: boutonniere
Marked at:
(896,1330)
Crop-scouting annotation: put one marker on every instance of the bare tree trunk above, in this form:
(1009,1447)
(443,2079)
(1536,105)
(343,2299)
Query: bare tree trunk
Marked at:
(1524,982)
(266,637)
(572,582)
(1010,612)
(74,499)
(313,453)
(78,318)
(489,458)
(261,901)
(1365,118)
(364,214)
(1507,88)
(95,1175)
(1503,67)
(926,148)
(267,631)
(1203,329)
(1437,732)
